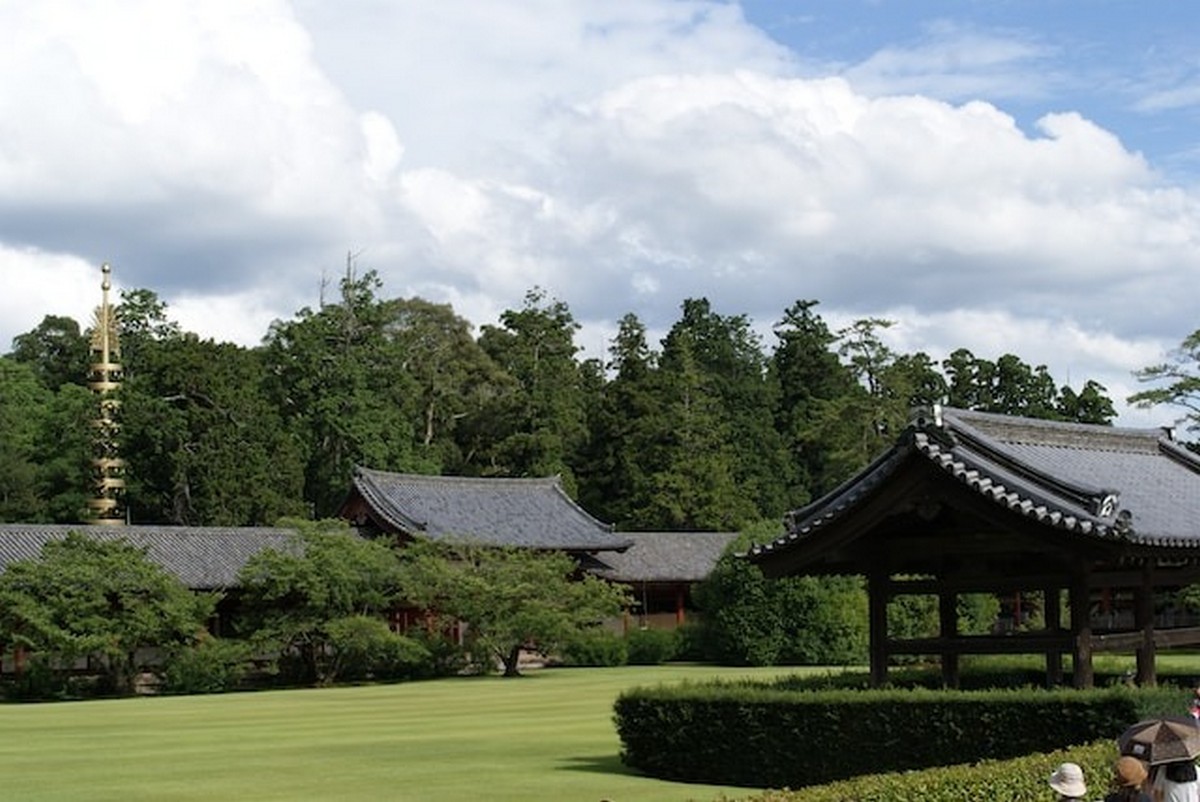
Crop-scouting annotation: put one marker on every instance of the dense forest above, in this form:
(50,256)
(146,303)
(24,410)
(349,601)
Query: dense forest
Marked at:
(711,429)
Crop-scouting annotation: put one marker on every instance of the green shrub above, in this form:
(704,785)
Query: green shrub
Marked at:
(211,665)
(40,680)
(364,648)
(595,647)
(445,657)
(1020,779)
(650,647)
(756,735)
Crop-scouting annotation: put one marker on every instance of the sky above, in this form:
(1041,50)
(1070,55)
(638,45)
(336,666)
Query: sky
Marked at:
(1008,176)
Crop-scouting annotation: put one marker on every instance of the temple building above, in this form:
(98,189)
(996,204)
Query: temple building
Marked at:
(1100,517)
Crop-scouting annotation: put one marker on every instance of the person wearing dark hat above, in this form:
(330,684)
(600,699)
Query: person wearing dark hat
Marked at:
(1176,782)
(1129,774)
(1067,782)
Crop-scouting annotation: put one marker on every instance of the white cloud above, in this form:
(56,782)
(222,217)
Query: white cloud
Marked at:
(623,156)
(34,284)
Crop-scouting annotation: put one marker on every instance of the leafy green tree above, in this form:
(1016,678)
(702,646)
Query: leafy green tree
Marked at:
(810,376)
(142,320)
(696,487)
(99,600)
(627,430)
(293,600)
(1178,380)
(24,405)
(455,378)
(751,620)
(203,443)
(536,430)
(1089,405)
(56,350)
(508,599)
(64,449)
(1011,387)
(731,372)
(339,379)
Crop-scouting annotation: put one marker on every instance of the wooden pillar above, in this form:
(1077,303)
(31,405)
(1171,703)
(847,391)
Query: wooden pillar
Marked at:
(879,588)
(1053,616)
(1143,620)
(948,632)
(1081,628)
(680,598)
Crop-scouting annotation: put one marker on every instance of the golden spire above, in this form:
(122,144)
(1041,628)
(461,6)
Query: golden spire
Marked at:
(108,469)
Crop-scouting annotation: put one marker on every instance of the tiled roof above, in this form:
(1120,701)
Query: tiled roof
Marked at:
(1137,485)
(665,557)
(528,513)
(203,558)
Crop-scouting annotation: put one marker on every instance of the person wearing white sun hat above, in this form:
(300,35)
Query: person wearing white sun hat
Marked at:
(1067,782)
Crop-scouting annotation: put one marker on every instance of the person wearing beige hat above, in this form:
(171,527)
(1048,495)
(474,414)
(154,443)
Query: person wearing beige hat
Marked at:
(1067,782)
(1129,774)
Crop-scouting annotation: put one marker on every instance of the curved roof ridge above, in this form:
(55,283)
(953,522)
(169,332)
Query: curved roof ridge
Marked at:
(1091,497)
(1019,492)
(804,520)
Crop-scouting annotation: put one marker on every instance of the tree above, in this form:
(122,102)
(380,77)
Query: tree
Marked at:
(56,350)
(454,376)
(203,443)
(810,376)
(1089,405)
(751,620)
(1179,380)
(339,380)
(695,487)
(1009,386)
(100,600)
(536,430)
(627,430)
(24,404)
(508,599)
(298,600)
(732,373)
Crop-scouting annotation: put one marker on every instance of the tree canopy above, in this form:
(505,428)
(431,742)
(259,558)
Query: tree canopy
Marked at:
(97,600)
(709,428)
(508,599)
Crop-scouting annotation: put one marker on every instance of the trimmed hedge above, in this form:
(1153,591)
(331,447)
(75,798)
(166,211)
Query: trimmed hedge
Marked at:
(753,735)
(1018,780)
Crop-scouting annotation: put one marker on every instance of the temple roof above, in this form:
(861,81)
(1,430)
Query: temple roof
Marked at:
(1137,486)
(202,557)
(664,557)
(527,513)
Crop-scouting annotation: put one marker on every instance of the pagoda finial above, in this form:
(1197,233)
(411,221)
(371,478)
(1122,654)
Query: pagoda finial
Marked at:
(108,469)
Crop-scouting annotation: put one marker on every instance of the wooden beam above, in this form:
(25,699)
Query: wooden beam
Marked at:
(1081,630)
(877,600)
(948,630)
(1052,613)
(1131,640)
(1018,643)
(1143,619)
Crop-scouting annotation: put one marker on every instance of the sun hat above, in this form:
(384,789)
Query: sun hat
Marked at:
(1130,772)
(1067,780)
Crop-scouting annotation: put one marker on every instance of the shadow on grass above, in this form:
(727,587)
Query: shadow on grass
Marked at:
(599,764)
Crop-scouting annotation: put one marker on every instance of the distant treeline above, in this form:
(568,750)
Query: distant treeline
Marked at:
(711,429)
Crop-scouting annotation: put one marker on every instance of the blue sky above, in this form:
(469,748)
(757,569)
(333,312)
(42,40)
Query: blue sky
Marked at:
(1015,177)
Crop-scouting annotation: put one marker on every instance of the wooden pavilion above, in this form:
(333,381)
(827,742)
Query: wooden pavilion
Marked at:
(974,502)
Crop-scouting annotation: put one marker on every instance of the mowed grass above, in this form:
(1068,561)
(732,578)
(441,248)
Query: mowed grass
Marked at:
(546,736)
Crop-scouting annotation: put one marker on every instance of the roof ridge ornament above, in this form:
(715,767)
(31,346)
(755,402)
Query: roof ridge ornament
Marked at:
(925,416)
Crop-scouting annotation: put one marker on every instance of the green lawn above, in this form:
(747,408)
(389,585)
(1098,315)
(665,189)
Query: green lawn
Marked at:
(546,736)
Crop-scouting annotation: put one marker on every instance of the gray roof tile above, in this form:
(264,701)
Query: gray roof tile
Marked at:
(665,557)
(1096,481)
(528,513)
(203,558)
